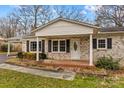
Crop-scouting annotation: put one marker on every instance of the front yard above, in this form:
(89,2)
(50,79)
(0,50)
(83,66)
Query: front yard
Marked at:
(11,79)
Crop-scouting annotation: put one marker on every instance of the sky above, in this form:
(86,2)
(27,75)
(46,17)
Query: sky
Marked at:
(5,9)
(84,10)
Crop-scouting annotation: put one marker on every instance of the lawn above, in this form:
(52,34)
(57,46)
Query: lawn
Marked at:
(1,52)
(11,79)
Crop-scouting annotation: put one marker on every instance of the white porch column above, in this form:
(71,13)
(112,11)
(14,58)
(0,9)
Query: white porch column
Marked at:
(91,51)
(37,54)
(8,50)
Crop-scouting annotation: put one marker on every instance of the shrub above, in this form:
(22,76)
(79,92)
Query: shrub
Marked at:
(42,56)
(107,63)
(20,55)
(28,55)
(31,56)
(4,47)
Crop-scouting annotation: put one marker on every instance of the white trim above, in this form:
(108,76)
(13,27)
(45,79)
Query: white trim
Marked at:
(65,45)
(105,43)
(58,46)
(30,46)
(37,57)
(91,51)
(117,32)
(8,52)
(34,40)
(52,47)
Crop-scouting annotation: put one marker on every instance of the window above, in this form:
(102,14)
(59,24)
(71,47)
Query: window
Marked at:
(62,45)
(55,46)
(59,45)
(33,46)
(102,44)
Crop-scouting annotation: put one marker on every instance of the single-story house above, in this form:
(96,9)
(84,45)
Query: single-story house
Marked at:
(16,43)
(65,39)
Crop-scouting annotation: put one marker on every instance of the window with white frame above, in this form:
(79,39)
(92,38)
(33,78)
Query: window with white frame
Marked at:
(59,45)
(62,46)
(55,46)
(33,46)
(102,44)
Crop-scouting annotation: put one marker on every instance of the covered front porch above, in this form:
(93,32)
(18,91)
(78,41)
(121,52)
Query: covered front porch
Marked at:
(76,50)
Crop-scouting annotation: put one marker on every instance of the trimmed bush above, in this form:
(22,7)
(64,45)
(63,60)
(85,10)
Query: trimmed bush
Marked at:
(4,47)
(20,55)
(42,56)
(31,56)
(107,63)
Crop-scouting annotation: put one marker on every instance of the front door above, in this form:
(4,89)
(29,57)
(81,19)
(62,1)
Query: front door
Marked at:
(75,49)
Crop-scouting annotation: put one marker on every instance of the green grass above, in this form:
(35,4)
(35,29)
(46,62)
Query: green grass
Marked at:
(1,52)
(11,79)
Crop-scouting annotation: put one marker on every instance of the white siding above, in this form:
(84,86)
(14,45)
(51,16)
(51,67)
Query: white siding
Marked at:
(64,28)
(24,46)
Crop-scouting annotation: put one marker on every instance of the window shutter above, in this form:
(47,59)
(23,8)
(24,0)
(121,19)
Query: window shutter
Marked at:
(43,46)
(27,45)
(67,45)
(49,45)
(39,45)
(94,43)
(109,43)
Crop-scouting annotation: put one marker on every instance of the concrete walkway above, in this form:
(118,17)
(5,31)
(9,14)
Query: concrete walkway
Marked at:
(59,75)
(3,58)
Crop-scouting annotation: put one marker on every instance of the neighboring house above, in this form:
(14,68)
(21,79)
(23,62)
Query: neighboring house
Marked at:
(65,39)
(2,41)
(16,44)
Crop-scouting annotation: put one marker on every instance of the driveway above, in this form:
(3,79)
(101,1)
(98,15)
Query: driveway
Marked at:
(3,58)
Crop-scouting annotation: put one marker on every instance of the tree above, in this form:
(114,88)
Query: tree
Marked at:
(70,13)
(30,17)
(26,18)
(110,15)
(8,26)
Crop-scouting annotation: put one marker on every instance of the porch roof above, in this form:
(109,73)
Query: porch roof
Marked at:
(14,39)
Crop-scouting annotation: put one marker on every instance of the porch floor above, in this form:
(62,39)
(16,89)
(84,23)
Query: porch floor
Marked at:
(66,63)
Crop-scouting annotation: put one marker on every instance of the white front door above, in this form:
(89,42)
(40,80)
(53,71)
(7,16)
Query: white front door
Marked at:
(75,49)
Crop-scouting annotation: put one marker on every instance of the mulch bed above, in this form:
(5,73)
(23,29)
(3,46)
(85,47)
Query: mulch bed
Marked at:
(84,70)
